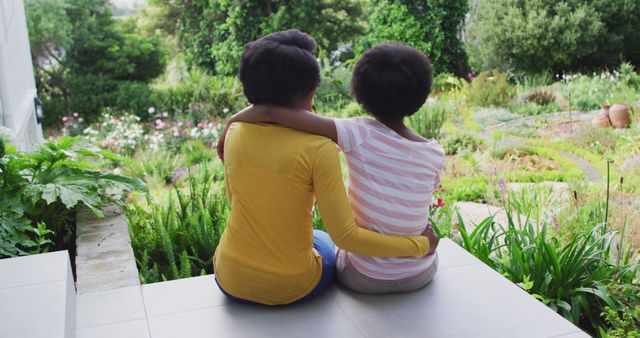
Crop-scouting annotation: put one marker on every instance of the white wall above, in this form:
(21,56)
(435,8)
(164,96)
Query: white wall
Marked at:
(17,84)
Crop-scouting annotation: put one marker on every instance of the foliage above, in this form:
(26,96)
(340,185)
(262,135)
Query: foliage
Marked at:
(196,152)
(489,89)
(200,96)
(540,97)
(446,82)
(177,238)
(533,109)
(120,134)
(535,36)
(134,98)
(213,33)
(457,144)
(570,277)
(334,90)
(471,189)
(492,116)
(623,321)
(430,26)
(82,54)
(40,190)
(155,166)
(590,92)
(428,121)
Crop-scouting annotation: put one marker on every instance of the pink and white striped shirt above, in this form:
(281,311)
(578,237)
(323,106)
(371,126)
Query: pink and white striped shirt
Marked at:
(391,184)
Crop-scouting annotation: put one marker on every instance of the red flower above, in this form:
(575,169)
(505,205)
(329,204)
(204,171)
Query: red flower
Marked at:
(439,204)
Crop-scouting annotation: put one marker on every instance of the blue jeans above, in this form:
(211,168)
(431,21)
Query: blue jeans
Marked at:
(325,247)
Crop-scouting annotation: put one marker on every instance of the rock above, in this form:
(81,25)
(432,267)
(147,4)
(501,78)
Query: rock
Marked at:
(474,213)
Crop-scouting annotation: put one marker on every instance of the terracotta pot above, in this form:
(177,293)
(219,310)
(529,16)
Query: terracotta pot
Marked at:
(619,115)
(602,120)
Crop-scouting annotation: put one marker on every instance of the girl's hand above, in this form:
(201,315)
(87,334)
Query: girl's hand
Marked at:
(434,240)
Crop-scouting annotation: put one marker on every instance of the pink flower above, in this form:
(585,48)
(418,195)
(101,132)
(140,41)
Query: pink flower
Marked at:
(185,132)
(225,110)
(200,125)
(189,124)
(75,114)
(180,124)
(64,119)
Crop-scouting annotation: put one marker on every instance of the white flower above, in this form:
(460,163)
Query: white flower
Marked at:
(152,110)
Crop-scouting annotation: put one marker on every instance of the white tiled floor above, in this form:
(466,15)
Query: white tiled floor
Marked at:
(466,299)
(37,298)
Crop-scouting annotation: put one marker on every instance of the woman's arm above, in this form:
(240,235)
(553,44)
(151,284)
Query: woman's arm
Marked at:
(298,119)
(338,217)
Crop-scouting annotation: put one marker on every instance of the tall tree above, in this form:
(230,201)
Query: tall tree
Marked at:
(432,26)
(214,32)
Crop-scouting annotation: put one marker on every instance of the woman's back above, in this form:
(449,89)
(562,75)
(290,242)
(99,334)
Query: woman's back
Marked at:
(269,235)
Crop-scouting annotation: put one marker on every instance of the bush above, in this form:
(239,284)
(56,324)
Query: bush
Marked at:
(200,96)
(134,98)
(463,189)
(493,116)
(39,192)
(430,26)
(536,36)
(590,92)
(460,143)
(489,89)
(177,238)
(428,121)
(569,277)
(214,32)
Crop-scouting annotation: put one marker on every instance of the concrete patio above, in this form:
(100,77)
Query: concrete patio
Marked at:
(466,299)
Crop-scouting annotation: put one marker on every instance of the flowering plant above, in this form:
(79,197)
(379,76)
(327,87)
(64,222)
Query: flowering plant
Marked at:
(72,124)
(120,134)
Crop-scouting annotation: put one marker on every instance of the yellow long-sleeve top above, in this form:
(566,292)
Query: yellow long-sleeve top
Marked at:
(266,253)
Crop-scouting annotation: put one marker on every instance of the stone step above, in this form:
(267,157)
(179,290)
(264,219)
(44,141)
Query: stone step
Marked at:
(105,259)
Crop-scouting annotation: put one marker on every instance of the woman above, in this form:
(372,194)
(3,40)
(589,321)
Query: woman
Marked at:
(269,252)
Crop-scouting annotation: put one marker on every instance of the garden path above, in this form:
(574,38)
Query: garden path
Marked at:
(590,172)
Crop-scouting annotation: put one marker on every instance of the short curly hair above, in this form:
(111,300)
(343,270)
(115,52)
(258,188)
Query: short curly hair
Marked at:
(279,68)
(392,80)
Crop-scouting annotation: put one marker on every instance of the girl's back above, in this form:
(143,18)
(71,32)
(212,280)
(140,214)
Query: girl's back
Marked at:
(391,184)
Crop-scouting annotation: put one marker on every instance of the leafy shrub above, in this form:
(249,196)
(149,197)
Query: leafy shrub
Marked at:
(493,116)
(533,109)
(590,92)
(489,89)
(623,321)
(446,82)
(430,26)
(213,33)
(334,92)
(540,97)
(629,75)
(200,96)
(571,278)
(460,143)
(39,192)
(428,121)
(155,166)
(177,238)
(472,189)
(134,98)
(536,36)
(196,152)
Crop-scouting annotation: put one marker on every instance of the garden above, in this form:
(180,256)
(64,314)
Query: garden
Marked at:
(537,105)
